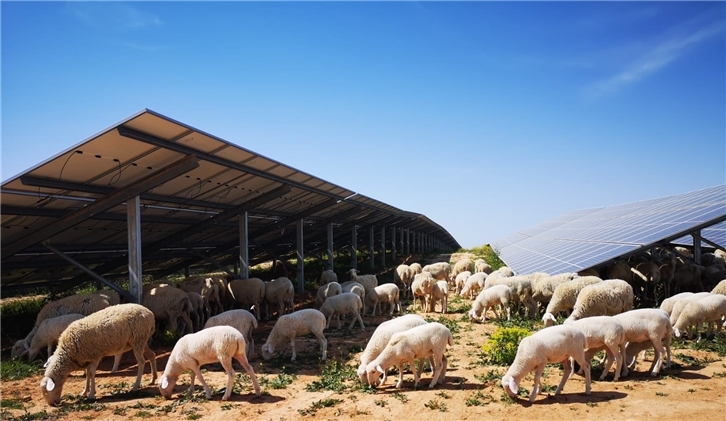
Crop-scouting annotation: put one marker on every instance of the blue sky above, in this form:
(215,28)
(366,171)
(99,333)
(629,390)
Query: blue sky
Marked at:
(487,117)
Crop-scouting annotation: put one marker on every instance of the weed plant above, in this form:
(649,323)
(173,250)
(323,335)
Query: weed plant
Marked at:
(502,345)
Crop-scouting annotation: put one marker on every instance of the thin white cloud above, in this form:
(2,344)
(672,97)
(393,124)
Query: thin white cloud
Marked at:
(112,16)
(145,48)
(656,59)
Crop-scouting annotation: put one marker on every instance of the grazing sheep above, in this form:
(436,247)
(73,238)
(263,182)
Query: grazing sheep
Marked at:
(679,305)
(459,281)
(209,345)
(606,298)
(416,268)
(497,295)
(84,304)
(552,345)
(619,270)
(279,291)
(240,319)
(668,303)
(704,310)
(410,345)
(521,288)
(646,277)
(647,324)
(473,284)
(440,293)
(208,288)
(325,291)
(463,265)
(86,341)
(504,270)
(603,332)
(440,271)
(687,277)
(384,294)
(328,276)
(720,288)
(295,324)
(169,304)
(380,338)
(482,266)
(199,310)
(248,294)
(543,287)
(422,287)
(565,296)
(356,288)
(368,281)
(48,333)
(341,304)
(404,274)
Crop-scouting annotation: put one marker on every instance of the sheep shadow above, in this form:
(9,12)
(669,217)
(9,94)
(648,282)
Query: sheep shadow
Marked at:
(570,398)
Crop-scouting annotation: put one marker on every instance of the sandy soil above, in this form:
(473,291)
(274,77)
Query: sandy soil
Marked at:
(695,388)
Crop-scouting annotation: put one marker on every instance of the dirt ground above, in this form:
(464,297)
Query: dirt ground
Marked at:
(695,388)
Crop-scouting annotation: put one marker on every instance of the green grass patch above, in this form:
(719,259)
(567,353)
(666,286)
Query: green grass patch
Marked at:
(450,324)
(16,369)
(434,404)
(501,348)
(334,376)
(281,381)
(479,399)
(315,406)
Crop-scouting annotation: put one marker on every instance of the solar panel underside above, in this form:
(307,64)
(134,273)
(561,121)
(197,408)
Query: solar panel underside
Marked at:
(585,238)
(715,234)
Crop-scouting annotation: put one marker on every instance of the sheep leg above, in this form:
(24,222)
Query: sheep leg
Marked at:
(399,384)
(538,377)
(613,355)
(250,372)
(658,360)
(442,375)
(227,365)
(149,354)
(91,377)
(337,318)
(207,389)
(585,364)
(116,361)
(323,343)
(416,374)
(292,345)
(327,323)
(356,316)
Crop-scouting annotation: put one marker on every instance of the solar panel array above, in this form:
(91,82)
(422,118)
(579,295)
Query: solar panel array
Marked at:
(202,184)
(589,237)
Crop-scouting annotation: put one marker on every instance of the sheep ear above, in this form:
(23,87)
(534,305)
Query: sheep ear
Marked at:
(677,332)
(164,382)
(27,347)
(49,385)
(513,385)
(379,369)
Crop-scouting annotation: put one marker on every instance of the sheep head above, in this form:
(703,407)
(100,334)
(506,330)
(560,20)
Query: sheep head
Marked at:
(510,386)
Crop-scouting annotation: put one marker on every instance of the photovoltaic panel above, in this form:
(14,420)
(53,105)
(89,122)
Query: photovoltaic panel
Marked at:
(589,237)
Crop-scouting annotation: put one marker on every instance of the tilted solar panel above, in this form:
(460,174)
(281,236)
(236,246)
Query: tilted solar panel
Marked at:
(585,238)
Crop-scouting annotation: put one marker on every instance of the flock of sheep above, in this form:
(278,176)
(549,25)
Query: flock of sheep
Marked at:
(213,316)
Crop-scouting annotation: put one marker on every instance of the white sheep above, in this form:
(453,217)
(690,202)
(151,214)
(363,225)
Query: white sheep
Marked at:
(279,291)
(380,338)
(356,288)
(679,305)
(440,293)
(647,324)
(417,343)
(341,304)
(552,345)
(463,265)
(404,274)
(169,304)
(48,333)
(506,271)
(325,291)
(543,286)
(606,298)
(368,281)
(705,310)
(422,287)
(240,319)
(289,326)
(384,294)
(439,270)
(209,345)
(565,296)
(110,331)
(208,288)
(84,304)
(497,295)
(521,288)
(480,265)
(720,288)
(603,332)
(460,280)
(248,294)
(328,276)
(473,284)
(416,268)
(668,303)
